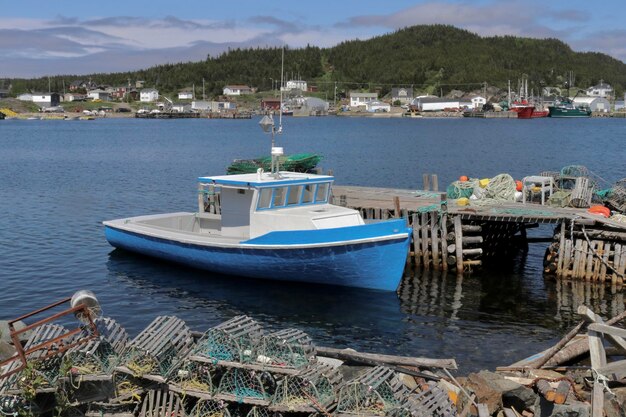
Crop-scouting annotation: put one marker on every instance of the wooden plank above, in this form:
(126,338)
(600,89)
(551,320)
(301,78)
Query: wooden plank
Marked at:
(595,320)
(396,207)
(458,238)
(567,266)
(483,410)
(559,268)
(614,332)
(426,182)
(588,267)
(417,251)
(435,182)
(622,268)
(605,259)
(562,390)
(597,401)
(597,262)
(434,229)
(425,243)
(444,245)
(577,254)
(350,354)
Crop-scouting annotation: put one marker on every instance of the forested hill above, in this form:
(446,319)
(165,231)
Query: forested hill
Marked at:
(429,57)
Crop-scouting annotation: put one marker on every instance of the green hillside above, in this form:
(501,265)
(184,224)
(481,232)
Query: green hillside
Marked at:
(430,58)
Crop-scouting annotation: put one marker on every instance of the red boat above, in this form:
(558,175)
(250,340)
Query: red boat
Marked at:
(525,112)
(539,113)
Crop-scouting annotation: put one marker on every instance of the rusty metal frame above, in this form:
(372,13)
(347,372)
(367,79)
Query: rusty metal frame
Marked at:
(22,354)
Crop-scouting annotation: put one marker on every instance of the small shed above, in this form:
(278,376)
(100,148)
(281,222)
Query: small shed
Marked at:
(98,95)
(270,104)
(597,104)
(185,95)
(237,90)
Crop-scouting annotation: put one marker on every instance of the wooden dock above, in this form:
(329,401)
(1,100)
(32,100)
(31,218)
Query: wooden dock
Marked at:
(448,236)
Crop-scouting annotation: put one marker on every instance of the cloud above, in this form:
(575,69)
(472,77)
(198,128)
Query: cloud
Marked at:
(612,42)
(281,25)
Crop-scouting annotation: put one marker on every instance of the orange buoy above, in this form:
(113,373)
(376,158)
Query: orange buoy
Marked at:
(600,210)
(518,185)
(463,178)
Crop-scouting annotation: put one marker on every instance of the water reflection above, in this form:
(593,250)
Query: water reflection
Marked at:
(567,296)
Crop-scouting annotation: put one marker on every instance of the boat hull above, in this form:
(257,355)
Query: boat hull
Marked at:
(375,263)
(568,112)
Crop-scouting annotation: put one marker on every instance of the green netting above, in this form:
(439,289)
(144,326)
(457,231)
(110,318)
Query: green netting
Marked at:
(243,384)
(312,390)
(460,189)
(288,348)
(234,341)
(302,162)
(376,392)
(140,362)
(209,408)
(98,361)
(194,376)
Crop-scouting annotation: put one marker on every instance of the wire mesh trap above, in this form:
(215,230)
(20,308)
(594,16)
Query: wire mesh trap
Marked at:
(127,389)
(257,411)
(289,348)
(376,392)
(100,355)
(245,386)
(313,389)
(158,349)
(433,402)
(232,341)
(193,378)
(210,408)
(159,403)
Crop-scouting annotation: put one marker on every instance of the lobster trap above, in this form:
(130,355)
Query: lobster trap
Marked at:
(376,392)
(432,402)
(194,379)
(233,341)
(42,370)
(159,403)
(245,386)
(257,411)
(98,356)
(289,348)
(312,390)
(209,408)
(158,349)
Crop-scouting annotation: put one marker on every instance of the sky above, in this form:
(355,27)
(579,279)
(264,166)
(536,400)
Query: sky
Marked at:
(43,37)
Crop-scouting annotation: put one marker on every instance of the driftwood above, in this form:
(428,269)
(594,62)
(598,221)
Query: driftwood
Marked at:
(546,390)
(351,355)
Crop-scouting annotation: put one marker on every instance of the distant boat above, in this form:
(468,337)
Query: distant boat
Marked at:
(566,108)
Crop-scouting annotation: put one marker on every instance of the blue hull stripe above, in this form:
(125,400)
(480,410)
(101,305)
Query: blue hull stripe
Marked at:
(376,265)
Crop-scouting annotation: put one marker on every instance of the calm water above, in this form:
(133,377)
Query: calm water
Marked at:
(60,179)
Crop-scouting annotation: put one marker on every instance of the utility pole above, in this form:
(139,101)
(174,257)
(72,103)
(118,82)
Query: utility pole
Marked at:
(203,96)
(509,96)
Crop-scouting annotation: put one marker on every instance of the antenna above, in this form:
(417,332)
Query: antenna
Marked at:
(280,109)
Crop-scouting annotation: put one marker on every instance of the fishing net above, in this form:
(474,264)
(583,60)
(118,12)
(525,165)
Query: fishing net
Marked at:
(431,402)
(462,189)
(234,341)
(96,358)
(289,348)
(126,389)
(501,189)
(158,349)
(616,199)
(302,162)
(569,174)
(312,390)
(242,385)
(162,403)
(194,376)
(376,392)
(209,408)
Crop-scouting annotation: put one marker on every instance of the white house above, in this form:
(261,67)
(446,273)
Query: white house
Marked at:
(441,104)
(181,107)
(98,95)
(403,95)
(361,99)
(148,95)
(237,90)
(295,85)
(185,95)
(478,102)
(599,104)
(46,99)
(601,90)
(378,107)
(25,97)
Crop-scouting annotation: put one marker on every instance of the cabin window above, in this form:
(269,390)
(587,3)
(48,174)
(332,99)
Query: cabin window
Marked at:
(279,196)
(265,198)
(293,198)
(321,196)
(309,192)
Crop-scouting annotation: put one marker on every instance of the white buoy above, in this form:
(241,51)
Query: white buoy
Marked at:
(89,300)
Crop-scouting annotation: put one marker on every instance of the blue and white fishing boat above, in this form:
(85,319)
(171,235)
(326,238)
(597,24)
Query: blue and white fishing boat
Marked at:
(275,227)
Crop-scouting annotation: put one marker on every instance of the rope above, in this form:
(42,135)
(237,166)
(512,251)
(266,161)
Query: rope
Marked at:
(598,378)
(500,189)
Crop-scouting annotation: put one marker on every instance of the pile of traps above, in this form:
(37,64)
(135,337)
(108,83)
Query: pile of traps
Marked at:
(234,369)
